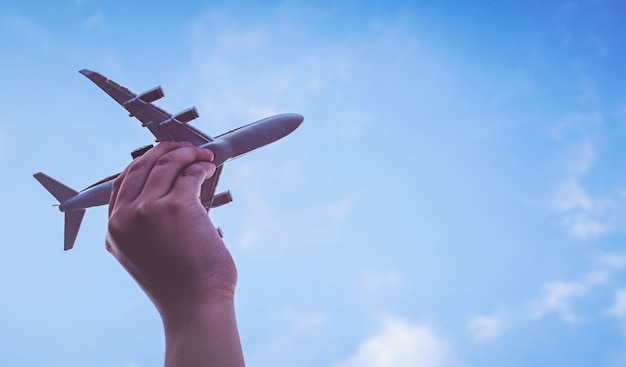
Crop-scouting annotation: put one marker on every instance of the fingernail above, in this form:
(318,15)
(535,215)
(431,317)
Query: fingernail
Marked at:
(185,144)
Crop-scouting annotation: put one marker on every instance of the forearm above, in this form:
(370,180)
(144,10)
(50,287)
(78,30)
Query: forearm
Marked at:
(204,334)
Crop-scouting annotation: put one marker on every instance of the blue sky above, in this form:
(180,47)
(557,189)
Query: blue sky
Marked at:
(455,197)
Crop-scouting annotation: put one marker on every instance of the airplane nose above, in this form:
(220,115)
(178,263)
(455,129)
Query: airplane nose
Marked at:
(288,122)
(297,118)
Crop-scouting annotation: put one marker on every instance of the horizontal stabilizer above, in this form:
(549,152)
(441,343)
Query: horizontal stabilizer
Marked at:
(73,220)
(57,189)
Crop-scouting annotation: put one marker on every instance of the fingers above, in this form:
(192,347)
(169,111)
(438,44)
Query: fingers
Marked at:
(115,189)
(168,167)
(136,174)
(190,180)
(155,173)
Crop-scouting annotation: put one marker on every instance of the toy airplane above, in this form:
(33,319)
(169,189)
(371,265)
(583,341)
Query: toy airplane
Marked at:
(166,127)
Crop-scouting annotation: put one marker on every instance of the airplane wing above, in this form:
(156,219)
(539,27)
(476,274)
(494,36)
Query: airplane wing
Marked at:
(163,125)
(207,191)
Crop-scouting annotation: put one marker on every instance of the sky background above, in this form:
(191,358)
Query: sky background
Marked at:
(456,196)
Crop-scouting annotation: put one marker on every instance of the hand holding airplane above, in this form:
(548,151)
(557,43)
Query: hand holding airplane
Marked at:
(160,233)
(166,127)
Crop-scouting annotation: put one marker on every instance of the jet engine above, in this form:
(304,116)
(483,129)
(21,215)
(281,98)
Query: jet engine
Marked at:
(187,115)
(221,199)
(152,94)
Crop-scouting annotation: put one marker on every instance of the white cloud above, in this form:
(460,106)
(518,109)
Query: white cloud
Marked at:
(255,75)
(305,322)
(378,280)
(583,227)
(483,328)
(353,123)
(263,221)
(571,196)
(580,159)
(582,214)
(400,344)
(31,33)
(557,297)
(295,334)
(586,214)
(579,126)
(336,211)
(619,307)
(597,277)
(263,218)
(93,20)
(261,68)
(613,261)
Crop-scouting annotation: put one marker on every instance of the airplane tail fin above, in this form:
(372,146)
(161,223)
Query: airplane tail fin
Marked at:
(62,193)
(57,189)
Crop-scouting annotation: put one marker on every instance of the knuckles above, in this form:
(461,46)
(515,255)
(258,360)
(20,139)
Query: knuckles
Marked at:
(165,160)
(137,165)
(195,170)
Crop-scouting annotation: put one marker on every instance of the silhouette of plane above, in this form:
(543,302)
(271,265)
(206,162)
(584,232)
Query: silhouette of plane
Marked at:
(166,127)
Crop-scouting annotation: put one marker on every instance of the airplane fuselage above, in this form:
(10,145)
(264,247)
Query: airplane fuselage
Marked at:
(247,138)
(225,147)
(93,196)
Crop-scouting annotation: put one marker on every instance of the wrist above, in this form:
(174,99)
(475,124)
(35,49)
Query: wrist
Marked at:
(187,308)
(203,330)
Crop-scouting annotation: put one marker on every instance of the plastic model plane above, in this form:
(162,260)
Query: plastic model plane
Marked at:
(166,127)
